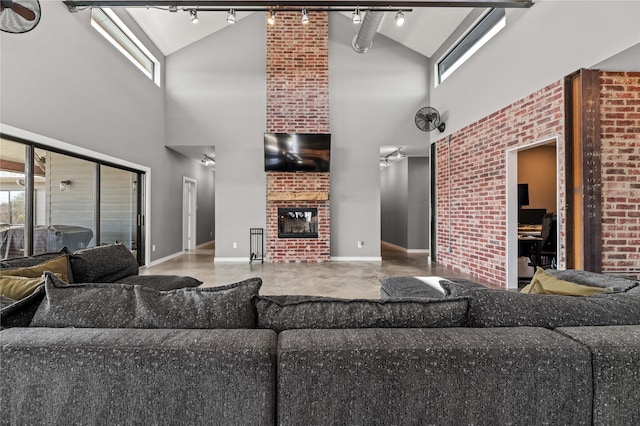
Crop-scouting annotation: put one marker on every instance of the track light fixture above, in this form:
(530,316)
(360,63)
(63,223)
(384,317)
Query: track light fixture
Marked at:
(208,161)
(399,18)
(356,18)
(395,155)
(231,16)
(271,18)
(305,16)
(193,14)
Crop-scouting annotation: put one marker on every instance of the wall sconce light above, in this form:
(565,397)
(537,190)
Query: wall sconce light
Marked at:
(63,184)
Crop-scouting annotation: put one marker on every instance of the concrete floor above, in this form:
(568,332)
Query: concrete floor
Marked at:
(335,279)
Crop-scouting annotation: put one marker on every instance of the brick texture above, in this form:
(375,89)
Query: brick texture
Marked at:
(620,136)
(298,101)
(471,182)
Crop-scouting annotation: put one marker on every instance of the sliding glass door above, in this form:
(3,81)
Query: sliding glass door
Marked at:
(50,200)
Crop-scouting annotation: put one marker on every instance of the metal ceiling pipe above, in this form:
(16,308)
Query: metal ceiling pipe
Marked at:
(363,41)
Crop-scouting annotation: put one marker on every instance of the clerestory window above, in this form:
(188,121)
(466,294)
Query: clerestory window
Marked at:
(474,39)
(107,23)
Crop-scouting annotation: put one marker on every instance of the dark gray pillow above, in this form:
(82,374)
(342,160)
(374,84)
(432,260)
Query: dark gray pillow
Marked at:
(99,305)
(327,313)
(28,261)
(103,264)
(6,301)
(20,313)
(160,282)
(594,279)
(501,308)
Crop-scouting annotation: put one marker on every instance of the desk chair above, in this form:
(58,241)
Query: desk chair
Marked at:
(544,254)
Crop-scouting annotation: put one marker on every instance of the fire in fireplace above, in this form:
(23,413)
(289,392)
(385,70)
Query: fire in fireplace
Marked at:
(297,223)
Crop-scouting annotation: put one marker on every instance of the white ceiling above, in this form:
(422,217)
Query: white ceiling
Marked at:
(424,31)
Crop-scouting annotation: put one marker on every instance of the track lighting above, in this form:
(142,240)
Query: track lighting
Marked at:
(194,16)
(271,19)
(208,161)
(231,16)
(356,18)
(395,155)
(305,16)
(399,18)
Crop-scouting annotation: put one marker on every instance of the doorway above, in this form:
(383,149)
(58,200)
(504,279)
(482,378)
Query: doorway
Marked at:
(189,207)
(536,165)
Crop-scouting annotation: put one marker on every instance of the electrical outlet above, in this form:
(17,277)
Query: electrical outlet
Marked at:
(153,247)
(360,244)
(235,245)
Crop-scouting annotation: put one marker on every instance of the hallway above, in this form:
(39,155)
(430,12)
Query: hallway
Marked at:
(334,279)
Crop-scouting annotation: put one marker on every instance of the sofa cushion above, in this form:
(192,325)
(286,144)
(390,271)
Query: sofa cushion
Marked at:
(406,286)
(103,264)
(500,308)
(543,283)
(6,301)
(329,313)
(160,282)
(100,305)
(594,279)
(58,265)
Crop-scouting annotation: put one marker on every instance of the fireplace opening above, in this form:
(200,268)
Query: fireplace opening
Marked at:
(297,223)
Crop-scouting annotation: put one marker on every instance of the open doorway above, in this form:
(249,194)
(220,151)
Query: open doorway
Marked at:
(405,199)
(532,207)
(189,207)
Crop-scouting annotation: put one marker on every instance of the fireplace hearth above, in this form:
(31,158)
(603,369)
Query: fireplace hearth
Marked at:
(297,223)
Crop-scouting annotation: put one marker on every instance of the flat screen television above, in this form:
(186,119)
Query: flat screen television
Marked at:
(297,152)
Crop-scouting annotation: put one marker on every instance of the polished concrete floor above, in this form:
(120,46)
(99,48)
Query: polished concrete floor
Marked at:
(335,279)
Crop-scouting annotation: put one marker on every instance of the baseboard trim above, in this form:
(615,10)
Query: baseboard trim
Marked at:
(404,249)
(230,260)
(355,259)
(165,259)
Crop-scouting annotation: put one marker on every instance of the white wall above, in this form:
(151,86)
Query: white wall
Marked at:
(64,81)
(539,46)
(216,96)
(374,98)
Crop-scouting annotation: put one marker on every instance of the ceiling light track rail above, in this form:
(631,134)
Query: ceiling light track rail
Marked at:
(258,5)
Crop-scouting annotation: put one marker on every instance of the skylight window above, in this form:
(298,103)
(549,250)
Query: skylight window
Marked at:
(481,33)
(107,23)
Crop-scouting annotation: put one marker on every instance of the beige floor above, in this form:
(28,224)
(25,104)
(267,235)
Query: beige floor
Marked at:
(335,279)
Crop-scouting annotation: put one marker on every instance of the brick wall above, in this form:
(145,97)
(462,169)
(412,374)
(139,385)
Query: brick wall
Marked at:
(298,101)
(471,189)
(620,137)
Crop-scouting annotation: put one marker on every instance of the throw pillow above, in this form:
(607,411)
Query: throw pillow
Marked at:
(501,308)
(100,305)
(18,288)
(103,264)
(594,279)
(543,283)
(36,259)
(160,282)
(6,301)
(58,265)
(328,313)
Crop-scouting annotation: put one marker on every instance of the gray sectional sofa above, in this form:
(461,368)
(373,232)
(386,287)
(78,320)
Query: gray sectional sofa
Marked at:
(229,356)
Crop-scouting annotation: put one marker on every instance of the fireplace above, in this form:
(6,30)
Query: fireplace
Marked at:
(297,223)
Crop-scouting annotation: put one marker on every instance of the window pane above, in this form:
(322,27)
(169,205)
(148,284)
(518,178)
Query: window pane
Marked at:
(12,209)
(118,207)
(69,199)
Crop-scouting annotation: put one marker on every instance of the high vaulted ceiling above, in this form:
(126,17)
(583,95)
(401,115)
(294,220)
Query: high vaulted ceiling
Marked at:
(424,30)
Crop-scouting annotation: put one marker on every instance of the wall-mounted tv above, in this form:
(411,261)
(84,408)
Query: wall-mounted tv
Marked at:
(297,152)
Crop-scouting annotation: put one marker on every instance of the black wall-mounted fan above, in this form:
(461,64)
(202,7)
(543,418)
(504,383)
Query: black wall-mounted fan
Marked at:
(19,16)
(428,119)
